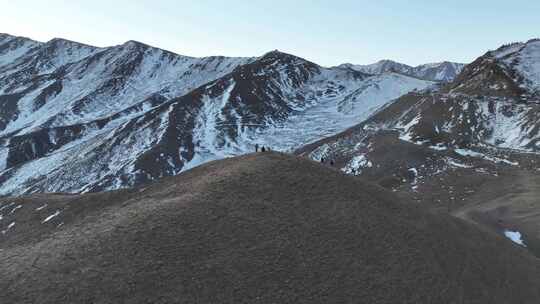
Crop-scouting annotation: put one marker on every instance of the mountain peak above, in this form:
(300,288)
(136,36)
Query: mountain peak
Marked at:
(134,43)
(511,48)
(512,70)
(5,36)
(389,61)
(440,64)
(442,72)
(61,42)
(277,55)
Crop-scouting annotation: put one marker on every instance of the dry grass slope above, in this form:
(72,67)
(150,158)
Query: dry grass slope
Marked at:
(264,228)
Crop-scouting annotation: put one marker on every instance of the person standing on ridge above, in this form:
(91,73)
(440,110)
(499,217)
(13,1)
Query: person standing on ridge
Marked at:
(256,147)
(263,149)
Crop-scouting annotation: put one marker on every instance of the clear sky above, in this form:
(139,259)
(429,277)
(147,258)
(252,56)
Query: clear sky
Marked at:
(326,32)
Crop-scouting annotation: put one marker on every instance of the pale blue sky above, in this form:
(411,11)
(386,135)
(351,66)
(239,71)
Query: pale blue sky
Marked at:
(327,32)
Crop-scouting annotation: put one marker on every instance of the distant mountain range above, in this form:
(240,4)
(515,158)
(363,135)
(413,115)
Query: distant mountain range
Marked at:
(79,118)
(441,71)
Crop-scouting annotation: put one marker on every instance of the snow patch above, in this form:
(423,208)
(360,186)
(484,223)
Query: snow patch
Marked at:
(15,209)
(50,217)
(357,163)
(439,147)
(470,153)
(454,163)
(406,133)
(528,63)
(8,228)
(515,236)
(41,207)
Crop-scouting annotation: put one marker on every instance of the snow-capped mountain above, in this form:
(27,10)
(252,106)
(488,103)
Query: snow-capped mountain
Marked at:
(80,118)
(380,67)
(441,71)
(511,71)
(492,107)
(64,83)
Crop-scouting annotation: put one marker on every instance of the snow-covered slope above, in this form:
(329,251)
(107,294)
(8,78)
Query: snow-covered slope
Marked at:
(329,101)
(337,111)
(524,59)
(493,106)
(79,118)
(441,71)
(512,71)
(459,120)
(12,48)
(86,83)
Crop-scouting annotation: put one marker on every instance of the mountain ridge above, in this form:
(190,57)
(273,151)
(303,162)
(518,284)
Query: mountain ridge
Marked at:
(139,113)
(374,68)
(440,71)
